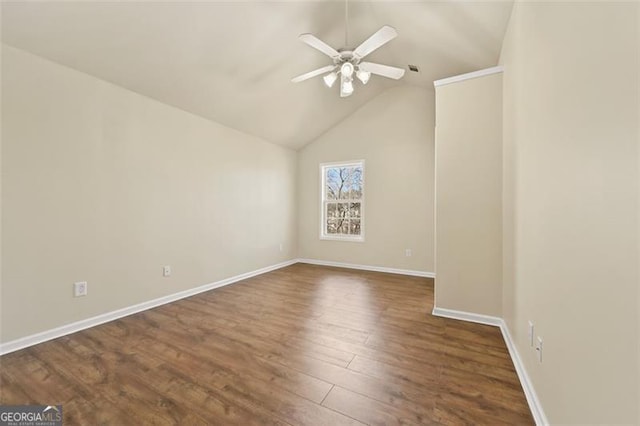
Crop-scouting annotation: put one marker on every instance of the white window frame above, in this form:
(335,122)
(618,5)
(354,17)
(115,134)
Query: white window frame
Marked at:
(323,202)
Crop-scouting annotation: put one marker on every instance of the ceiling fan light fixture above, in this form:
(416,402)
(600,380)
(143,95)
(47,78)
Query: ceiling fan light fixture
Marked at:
(346,88)
(363,76)
(330,78)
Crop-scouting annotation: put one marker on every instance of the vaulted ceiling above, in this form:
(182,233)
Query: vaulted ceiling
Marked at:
(232,62)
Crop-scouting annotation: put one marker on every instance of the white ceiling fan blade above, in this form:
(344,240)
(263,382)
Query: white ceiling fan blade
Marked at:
(382,36)
(316,43)
(383,70)
(313,73)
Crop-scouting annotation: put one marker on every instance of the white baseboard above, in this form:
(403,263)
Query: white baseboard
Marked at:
(34,339)
(369,268)
(44,336)
(532,398)
(467,316)
(527,386)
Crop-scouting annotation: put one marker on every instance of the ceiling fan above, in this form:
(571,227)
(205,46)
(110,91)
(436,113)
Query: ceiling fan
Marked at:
(348,62)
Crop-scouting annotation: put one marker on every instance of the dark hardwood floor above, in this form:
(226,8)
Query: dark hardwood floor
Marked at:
(303,345)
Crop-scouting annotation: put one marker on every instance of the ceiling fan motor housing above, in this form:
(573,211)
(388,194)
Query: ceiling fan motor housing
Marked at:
(345,56)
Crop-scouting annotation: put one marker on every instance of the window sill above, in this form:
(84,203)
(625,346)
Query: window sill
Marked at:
(359,239)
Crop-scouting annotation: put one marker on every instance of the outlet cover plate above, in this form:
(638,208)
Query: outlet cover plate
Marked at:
(539,349)
(80,289)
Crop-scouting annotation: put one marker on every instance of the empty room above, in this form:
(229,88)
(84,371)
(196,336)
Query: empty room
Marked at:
(349,212)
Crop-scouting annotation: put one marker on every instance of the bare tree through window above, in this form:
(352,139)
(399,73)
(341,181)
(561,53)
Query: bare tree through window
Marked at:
(343,190)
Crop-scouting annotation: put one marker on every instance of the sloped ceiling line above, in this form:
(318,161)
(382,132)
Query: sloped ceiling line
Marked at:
(232,62)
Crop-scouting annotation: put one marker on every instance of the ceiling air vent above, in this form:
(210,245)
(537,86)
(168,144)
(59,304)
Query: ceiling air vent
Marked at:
(413,68)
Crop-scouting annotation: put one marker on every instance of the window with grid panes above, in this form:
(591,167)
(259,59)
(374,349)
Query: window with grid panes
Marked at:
(342,201)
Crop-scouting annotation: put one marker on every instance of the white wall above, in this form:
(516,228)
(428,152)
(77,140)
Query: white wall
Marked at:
(103,185)
(571,204)
(469,195)
(394,135)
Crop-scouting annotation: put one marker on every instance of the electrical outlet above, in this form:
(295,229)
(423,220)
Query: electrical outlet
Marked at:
(281,247)
(531,333)
(80,289)
(539,348)
(407,252)
(166,271)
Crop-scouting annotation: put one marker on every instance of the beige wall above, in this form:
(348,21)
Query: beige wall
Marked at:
(571,204)
(638,202)
(469,195)
(1,174)
(394,135)
(104,185)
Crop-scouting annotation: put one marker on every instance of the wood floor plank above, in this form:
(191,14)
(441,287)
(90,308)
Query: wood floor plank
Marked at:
(370,411)
(419,401)
(504,394)
(427,378)
(196,387)
(242,363)
(254,339)
(445,347)
(302,345)
(290,320)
